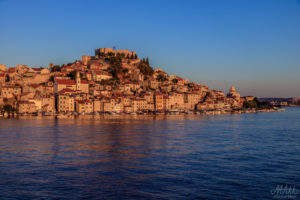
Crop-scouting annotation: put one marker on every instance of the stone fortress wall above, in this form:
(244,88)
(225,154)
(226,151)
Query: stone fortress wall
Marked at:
(126,52)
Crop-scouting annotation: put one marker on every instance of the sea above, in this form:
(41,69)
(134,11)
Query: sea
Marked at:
(238,156)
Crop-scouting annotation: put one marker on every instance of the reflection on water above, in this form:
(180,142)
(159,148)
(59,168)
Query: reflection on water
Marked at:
(149,157)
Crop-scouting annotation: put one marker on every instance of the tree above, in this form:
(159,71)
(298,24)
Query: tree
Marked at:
(72,75)
(101,54)
(125,70)
(8,108)
(250,104)
(51,78)
(161,78)
(110,54)
(175,80)
(116,65)
(56,68)
(145,69)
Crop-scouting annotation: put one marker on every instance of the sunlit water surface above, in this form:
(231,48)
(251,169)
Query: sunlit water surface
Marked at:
(163,157)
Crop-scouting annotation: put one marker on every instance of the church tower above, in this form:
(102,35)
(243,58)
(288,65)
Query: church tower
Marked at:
(78,81)
(232,90)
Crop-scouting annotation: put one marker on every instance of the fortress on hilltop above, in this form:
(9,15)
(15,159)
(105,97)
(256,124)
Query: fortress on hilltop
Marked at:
(126,52)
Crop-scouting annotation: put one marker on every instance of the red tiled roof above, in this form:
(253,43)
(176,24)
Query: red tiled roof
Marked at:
(12,69)
(84,82)
(65,90)
(102,73)
(83,101)
(66,82)
(35,85)
(67,67)
(25,102)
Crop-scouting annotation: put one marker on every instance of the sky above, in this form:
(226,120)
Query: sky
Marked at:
(251,44)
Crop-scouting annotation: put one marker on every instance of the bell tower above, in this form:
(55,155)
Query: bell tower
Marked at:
(78,81)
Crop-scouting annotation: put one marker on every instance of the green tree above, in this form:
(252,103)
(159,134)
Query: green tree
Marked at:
(145,69)
(250,104)
(56,68)
(8,108)
(175,80)
(51,78)
(101,54)
(72,75)
(161,78)
(116,66)
(125,70)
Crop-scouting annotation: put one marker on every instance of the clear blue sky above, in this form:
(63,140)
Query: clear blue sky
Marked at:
(252,44)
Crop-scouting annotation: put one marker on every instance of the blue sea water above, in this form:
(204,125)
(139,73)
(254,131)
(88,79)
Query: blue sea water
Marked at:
(242,156)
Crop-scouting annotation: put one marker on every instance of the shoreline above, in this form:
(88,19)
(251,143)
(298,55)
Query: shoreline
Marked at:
(167,113)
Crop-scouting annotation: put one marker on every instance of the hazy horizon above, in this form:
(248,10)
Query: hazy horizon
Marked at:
(253,45)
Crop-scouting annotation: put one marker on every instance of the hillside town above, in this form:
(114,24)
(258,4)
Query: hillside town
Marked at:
(110,82)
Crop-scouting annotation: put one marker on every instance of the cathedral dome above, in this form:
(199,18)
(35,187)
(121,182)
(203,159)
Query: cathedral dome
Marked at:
(232,89)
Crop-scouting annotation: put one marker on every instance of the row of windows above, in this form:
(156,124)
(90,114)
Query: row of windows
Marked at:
(10,92)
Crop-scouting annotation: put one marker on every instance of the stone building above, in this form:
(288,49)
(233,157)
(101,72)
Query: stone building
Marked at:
(101,75)
(233,94)
(98,105)
(2,78)
(77,84)
(159,101)
(110,50)
(65,103)
(9,91)
(26,107)
(85,59)
(139,104)
(84,106)
(2,67)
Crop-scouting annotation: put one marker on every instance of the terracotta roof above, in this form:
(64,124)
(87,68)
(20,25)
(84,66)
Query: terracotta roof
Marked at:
(102,73)
(35,85)
(25,102)
(84,82)
(65,90)
(11,86)
(12,69)
(66,82)
(67,67)
(83,101)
